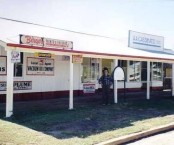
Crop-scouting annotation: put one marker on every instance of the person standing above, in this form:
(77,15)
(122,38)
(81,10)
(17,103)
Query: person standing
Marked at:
(105,81)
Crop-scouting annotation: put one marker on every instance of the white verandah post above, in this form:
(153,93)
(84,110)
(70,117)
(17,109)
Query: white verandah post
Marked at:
(173,79)
(115,84)
(9,92)
(71,85)
(148,80)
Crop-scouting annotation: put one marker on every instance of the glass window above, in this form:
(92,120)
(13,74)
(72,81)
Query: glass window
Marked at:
(134,71)
(18,67)
(90,70)
(107,63)
(143,71)
(157,71)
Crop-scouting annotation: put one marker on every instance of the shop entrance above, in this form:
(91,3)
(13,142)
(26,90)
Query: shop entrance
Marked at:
(167,77)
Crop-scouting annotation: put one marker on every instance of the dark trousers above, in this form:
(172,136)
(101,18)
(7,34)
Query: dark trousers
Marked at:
(105,94)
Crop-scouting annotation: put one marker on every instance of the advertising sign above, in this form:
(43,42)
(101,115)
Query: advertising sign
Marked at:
(77,59)
(17,85)
(15,56)
(31,40)
(3,65)
(54,43)
(43,55)
(88,88)
(45,42)
(145,41)
(40,66)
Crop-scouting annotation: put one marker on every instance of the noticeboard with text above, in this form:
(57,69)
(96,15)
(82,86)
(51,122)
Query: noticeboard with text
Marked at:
(17,85)
(40,66)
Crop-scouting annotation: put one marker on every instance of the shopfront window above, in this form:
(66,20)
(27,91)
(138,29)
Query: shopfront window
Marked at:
(107,63)
(134,71)
(143,71)
(18,67)
(90,70)
(157,71)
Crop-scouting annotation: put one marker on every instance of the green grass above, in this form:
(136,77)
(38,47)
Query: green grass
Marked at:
(84,125)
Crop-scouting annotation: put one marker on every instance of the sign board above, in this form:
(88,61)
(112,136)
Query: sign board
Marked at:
(43,55)
(17,85)
(45,42)
(3,65)
(15,56)
(145,41)
(118,74)
(88,88)
(31,40)
(54,43)
(77,58)
(40,66)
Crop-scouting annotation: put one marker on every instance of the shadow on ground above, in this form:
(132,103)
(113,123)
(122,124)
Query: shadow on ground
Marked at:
(89,117)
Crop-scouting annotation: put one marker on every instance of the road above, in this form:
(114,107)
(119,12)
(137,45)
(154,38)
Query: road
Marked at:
(160,139)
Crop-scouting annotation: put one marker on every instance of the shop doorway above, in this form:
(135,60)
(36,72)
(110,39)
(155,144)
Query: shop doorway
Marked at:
(167,77)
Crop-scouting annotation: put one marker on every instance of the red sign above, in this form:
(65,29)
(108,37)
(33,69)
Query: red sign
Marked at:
(45,42)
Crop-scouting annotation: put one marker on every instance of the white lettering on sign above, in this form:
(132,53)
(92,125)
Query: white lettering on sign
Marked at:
(17,85)
(40,66)
(3,65)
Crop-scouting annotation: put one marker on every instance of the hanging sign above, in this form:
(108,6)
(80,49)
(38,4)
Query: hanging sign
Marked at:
(17,85)
(3,65)
(43,55)
(40,66)
(15,56)
(77,59)
(45,42)
(88,88)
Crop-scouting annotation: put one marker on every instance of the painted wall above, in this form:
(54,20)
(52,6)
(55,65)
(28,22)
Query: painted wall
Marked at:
(60,80)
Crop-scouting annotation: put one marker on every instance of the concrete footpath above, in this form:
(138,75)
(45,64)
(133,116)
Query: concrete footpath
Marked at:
(139,135)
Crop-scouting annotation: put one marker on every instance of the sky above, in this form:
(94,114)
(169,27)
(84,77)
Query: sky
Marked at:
(112,18)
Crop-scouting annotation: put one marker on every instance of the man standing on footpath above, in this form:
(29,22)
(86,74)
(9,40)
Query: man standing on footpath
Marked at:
(105,81)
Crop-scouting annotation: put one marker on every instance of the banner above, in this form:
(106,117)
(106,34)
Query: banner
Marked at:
(17,85)
(40,66)
(88,88)
(3,65)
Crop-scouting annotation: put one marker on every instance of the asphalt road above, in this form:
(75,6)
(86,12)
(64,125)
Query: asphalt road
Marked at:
(160,139)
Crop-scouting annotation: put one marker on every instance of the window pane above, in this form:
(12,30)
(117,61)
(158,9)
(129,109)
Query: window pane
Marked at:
(18,67)
(90,70)
(134,70)
(157,71)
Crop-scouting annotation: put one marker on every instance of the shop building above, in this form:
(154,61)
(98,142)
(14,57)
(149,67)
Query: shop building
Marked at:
(60,69)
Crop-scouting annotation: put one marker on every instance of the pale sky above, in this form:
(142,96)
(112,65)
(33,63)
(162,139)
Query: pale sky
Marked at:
(111,18)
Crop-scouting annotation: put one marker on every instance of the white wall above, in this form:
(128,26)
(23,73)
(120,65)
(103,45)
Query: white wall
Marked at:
(58,82)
